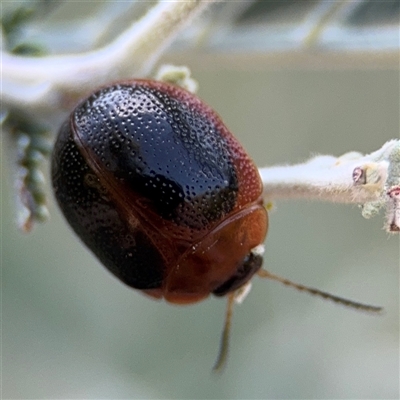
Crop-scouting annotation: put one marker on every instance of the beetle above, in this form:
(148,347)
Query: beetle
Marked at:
(154,183)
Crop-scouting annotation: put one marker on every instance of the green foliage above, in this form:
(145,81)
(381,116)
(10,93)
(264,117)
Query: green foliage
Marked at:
(32,148)
(12,22)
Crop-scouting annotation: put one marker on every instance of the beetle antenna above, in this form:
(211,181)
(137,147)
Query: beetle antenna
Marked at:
(224,344)
(349,303)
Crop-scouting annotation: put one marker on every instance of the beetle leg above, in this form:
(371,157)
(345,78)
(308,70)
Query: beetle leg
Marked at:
(224,344)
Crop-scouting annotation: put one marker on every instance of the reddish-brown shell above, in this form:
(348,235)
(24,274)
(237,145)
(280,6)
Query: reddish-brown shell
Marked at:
(157,187)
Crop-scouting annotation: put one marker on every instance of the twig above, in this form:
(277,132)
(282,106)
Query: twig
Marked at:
(372,181)
(53,82)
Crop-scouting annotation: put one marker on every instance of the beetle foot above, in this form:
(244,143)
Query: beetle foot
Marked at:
(178,75)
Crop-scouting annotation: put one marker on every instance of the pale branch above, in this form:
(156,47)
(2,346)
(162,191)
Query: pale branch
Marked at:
(53,82)
(36,92)
(372,181)
(45,87)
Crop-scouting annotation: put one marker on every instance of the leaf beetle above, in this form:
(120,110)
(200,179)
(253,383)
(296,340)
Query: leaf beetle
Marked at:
(153,182)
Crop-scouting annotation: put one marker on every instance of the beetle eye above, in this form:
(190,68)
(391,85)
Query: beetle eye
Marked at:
(250,265)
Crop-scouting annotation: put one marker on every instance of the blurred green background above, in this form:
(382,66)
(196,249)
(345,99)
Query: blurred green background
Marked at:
(71,330)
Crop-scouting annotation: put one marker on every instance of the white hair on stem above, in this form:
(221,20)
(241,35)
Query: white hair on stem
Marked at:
(45,87)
